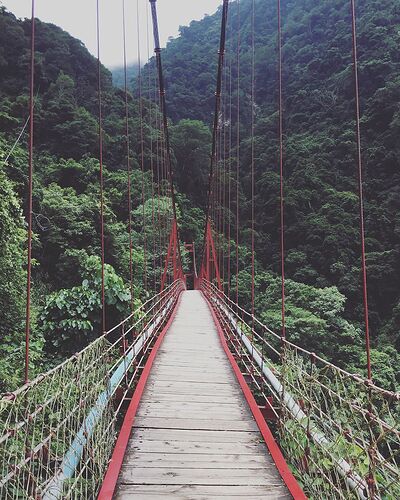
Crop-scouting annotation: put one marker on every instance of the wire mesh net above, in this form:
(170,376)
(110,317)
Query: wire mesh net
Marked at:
(58,431)
(345,435)
(339,432)
(40,423)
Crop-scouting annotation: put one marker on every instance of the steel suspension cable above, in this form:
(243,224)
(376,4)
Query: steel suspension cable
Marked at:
(165,128)
(360,185)
(215,219)
(154,238)
(141,147)
(221,54)
(252,99)
(161,173)
(101,180)
(157,50)
(224,167)
(230,163)
(150,123)
(220,172)
(128,159)
(227,150)
(159,180)
(30,195)
(237,150)
(281,178)
(372,449)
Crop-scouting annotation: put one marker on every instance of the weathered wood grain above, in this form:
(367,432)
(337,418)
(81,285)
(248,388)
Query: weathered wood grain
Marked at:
(194,436)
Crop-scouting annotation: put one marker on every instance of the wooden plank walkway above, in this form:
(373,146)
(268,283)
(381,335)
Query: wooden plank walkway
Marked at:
(194,436)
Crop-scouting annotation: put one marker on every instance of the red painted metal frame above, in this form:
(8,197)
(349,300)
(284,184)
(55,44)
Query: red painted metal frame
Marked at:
(210,257)
(172,254)
(273,448)
(114,467)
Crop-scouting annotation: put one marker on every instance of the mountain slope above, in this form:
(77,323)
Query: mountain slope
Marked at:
(322,258)
(321,205)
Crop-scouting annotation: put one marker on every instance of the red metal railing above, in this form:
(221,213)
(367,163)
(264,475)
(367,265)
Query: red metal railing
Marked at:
(339,431)
(58,431)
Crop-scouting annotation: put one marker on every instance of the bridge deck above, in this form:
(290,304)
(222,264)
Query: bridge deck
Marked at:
(194,435)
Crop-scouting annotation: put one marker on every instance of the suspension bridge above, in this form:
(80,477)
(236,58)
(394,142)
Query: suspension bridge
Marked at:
(191,396)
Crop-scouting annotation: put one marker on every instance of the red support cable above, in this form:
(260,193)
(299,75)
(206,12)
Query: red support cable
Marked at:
(164,205)
(163,106)
(360,186)
(282,213)
(153,225)
(237,152)
(171,248)
(172,257)
(153,194)
(100,122)
(30,196)
(214,146)
(128,163)
(252,159)
(217,220)
(214,257)
(224,183)
(165,129)
(159,191)
(371,480)
(141,148)
(230,166)
(207,270)
(210,264)
(217,236)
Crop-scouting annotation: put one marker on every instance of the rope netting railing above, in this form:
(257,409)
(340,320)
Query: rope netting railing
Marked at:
(339,431)
(57,432)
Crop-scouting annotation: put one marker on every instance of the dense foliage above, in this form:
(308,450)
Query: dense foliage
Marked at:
(324,301)
(12,279)
(321,198)
(66,248)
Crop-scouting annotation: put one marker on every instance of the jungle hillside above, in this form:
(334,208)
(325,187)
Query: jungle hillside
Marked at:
(324,288)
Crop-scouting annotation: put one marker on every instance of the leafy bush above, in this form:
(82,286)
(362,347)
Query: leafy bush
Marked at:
(71,318)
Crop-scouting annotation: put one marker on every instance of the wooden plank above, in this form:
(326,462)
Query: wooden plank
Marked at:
(188,390)
(195,414)
(196,378)
(198,447)
(194,436)
(201,492)
(199,368)
(201,406)
(192,398)
(167,475)
(198,387)
(198,401)
(197,365)
(176,407)
(219,371)
(194,423)
(203,360)
(192,460)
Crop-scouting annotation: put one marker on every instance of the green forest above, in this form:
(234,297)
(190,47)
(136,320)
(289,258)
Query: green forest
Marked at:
(324,295)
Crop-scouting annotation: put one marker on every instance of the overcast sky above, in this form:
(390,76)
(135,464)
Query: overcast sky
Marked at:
(78,17)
